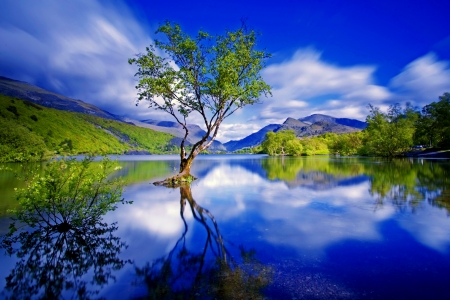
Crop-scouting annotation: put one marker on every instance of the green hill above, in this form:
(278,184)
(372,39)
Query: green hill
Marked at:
(32,132)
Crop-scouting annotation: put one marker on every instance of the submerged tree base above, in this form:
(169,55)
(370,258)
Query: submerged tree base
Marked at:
(176,181)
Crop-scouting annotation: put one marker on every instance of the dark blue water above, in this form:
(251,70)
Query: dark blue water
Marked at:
(317,228)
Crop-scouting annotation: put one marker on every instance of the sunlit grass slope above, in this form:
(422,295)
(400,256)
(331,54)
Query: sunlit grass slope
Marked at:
(29,131)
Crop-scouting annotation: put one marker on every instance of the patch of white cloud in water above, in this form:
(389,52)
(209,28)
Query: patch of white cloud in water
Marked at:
(302,218)
(430,227)
(151,225)
(422,81)
(309,219)
(79,49)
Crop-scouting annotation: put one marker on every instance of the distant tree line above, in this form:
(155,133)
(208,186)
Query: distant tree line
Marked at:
(388,134)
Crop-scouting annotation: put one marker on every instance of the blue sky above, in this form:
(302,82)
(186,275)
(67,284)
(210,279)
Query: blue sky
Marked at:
(330,57)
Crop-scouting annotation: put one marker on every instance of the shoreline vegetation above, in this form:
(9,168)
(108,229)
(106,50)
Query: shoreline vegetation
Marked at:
(399,132)
(34,133)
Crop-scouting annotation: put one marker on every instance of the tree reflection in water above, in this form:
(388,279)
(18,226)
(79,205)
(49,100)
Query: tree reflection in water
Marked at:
(209,274)
(53,263)
(404,183)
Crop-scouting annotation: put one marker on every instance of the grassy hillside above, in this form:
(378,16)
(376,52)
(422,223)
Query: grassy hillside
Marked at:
(29,131)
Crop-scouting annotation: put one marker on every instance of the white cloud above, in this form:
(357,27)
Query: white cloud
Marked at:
(299,81)
(77,49)
(236,131)
(423,80)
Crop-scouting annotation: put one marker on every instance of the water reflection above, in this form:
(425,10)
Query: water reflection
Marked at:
(405,183)
(325,226)
(55,264)
(207,271)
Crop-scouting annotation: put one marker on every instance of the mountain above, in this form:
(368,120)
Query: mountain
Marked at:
(252,140)
(308,126)
(195,132)
(31,131)
(342,121)
(23,90)
(317,128)
(26,91)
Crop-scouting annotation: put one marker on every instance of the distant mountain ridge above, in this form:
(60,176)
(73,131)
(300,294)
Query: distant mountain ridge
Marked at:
(342,121)
(252,140)
(312,125)
(23,90)
(195,132)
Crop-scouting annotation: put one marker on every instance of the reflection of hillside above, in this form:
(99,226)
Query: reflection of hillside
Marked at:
(316,174)
(406,183)
(9,181)
(322,181)
(403,182)
(140,171)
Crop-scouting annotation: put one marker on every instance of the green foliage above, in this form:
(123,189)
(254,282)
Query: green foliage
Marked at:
(52,132)
(390,134)
(17,143)
(212,76)
(433,125)
(67,243)
(68,193)
(141,138)
(282,143)
(314,145)
(347,143)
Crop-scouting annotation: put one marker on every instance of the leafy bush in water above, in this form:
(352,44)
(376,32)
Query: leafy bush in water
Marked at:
(69,193)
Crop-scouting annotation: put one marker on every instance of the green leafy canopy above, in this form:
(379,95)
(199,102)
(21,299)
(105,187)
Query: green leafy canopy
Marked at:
(212,76)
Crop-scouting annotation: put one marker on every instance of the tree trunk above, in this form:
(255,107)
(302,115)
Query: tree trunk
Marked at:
(184,176)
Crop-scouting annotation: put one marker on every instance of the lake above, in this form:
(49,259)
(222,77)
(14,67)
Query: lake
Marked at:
(307,227)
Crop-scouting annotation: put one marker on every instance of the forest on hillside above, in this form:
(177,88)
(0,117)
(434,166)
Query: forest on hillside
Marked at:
(32,132)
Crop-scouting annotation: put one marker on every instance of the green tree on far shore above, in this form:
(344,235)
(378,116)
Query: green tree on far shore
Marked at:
(433,125)
(390,134)
(282,143)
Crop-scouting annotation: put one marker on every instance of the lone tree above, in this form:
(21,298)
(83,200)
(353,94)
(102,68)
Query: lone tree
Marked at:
(212,76)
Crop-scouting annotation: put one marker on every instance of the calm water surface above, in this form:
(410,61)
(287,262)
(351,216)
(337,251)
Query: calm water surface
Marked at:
(319,228)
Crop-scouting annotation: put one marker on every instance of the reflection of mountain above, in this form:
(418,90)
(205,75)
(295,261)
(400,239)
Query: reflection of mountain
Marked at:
(140,171)
(323,181)
(315,174)
(403,182)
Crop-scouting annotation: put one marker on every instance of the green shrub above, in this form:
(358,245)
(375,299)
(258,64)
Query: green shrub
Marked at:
(68,194)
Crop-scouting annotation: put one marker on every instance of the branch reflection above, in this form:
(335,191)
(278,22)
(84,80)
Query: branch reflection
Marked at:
(55,263)
(211,272)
